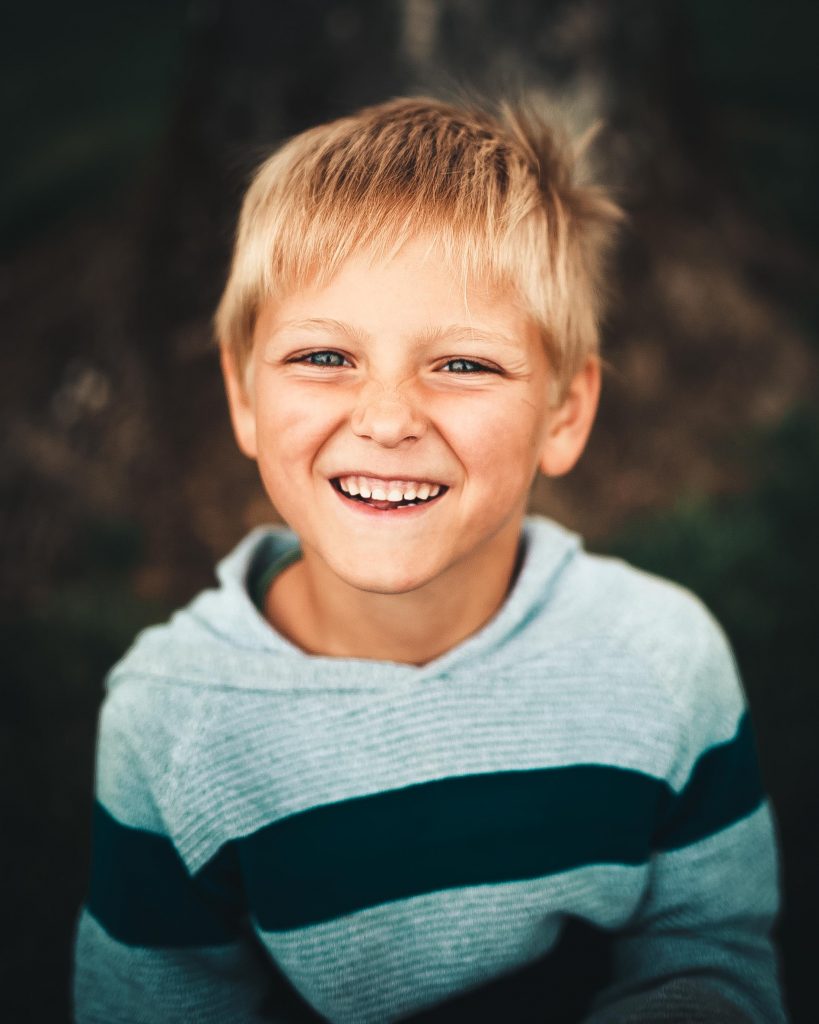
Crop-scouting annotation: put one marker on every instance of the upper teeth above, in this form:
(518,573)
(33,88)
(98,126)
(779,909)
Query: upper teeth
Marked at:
(387,490)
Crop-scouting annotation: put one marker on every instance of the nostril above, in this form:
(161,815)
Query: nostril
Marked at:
(388,420)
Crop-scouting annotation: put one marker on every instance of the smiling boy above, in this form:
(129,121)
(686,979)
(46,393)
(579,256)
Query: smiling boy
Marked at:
(362,385)
(419,754)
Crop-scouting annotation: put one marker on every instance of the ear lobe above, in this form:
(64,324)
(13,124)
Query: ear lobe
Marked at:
(569,425)
(242,413)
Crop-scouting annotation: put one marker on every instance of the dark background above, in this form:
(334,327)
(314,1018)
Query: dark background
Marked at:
(130,130)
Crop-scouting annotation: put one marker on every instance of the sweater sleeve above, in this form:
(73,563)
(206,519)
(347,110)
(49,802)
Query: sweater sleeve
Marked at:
(700,947)
(154,942)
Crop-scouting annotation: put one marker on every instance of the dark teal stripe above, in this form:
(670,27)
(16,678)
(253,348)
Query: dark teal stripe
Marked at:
(262,575)
(725,786)
(468,830)
(143,895)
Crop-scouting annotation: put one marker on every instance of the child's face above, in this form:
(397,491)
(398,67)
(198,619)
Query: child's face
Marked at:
(394,371)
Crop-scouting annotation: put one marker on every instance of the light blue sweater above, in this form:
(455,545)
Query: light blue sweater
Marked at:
(393,837)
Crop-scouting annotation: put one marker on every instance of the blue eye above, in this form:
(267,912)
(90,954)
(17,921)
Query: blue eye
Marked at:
(467,366)
(323,358)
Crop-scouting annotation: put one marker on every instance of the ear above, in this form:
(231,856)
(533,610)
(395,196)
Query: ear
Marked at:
(242,412)
(569,425)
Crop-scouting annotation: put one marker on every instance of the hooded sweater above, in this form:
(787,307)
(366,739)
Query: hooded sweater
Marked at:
(560,818)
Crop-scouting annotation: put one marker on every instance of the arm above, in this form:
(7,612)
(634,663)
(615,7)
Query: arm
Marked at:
(700,947)
(155,943)
(700,950)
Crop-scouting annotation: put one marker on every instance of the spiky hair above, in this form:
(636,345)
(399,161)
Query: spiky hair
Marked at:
(497,189)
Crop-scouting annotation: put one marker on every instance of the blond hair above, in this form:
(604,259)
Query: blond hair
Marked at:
(498,191)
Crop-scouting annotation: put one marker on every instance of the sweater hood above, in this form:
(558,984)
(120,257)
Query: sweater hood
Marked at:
(221,639)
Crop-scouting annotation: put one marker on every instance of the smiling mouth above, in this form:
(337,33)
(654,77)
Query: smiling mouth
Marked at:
(387,505)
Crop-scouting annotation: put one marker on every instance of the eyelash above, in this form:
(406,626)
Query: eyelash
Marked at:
(481,367)
(320,352)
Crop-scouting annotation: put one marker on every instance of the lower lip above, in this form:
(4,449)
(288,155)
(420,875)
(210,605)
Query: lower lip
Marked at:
(408,512)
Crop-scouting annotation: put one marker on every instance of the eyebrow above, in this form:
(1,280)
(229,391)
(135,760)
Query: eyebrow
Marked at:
(456,332)
(318,325)
(468,332)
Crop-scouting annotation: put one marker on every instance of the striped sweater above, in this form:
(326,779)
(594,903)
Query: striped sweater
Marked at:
(559,819)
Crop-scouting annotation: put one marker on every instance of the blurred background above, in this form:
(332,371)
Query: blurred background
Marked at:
(130,131)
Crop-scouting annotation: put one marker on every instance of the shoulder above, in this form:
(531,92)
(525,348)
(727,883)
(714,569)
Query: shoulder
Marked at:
(661,622)
(625,611)
(166,695)
(205,641)
(672,648)
(658,616)
(639,649)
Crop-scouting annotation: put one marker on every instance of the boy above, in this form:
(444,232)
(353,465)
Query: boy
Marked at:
(420,755)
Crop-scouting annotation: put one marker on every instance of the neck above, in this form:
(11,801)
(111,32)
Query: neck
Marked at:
(324,615)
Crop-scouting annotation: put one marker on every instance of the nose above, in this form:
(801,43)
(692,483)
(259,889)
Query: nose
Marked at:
(386,417)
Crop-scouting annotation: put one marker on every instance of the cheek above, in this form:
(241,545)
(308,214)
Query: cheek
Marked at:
(294,426)
(496,442)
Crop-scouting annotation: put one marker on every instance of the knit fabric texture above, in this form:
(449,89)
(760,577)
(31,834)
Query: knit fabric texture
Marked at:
(282,836)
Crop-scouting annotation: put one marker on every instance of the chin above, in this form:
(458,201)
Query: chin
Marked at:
(385,582)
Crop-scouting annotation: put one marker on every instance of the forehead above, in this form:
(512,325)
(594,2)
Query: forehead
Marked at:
(415,294)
